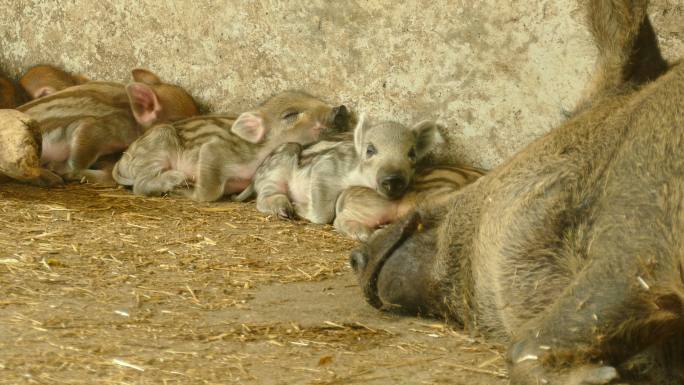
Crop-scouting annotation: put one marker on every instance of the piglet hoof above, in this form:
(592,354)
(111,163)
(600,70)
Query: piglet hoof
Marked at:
(286,213)
(181,192)
(353,229)
(47,178)
(90,177)
(361,236)
(360,233)
(284,209)
(278,205)
(171,179)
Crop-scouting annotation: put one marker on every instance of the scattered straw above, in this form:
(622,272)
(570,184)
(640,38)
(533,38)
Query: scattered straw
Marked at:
(90,272)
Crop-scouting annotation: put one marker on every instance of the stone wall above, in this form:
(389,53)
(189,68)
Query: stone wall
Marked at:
(497,73)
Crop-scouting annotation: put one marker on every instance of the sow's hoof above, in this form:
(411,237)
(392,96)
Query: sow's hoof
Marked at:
(531,373)
(20,146)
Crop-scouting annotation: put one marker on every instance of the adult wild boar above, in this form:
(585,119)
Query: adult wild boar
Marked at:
(573,250)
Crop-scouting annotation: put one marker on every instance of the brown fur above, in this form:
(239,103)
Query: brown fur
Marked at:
(43,80)
(218,154)
(10,95)
(359,211)
(83,123)
(571,251)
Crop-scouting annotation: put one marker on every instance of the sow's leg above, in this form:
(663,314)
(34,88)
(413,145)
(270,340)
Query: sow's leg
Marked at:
(627,298)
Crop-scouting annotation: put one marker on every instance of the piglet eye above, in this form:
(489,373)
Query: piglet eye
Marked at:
(290,115)
(370,151)
(412,155)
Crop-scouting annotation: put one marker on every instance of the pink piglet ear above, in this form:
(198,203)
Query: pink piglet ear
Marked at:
(144,103)
(80,79)
(428,136)
(44,91)
(250,126)
(142,75)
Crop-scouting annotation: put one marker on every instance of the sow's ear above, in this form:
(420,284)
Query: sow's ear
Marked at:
(250,126)
(144,76)
(359,132)
(144,103)
(427,137)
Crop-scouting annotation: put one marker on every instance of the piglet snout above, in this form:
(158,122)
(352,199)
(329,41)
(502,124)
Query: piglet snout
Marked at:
(393,185)
(340,116)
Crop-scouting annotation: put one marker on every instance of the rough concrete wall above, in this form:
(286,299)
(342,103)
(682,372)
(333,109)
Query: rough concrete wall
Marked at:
(498,74)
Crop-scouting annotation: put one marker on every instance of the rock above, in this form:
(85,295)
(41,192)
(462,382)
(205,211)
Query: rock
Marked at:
(19,146)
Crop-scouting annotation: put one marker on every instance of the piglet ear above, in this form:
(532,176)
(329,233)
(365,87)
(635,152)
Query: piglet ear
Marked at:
(144,103)
(250,126)
(80,79)
(144,76)
(427,137)
(43,91)
(359,134)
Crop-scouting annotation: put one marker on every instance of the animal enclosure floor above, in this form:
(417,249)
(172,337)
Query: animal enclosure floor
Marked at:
(103,287)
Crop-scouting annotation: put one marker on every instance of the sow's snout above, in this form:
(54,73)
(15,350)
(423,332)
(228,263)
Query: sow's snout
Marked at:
(368,259)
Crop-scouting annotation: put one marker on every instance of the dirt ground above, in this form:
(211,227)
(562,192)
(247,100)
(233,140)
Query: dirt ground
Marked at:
(104,287)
